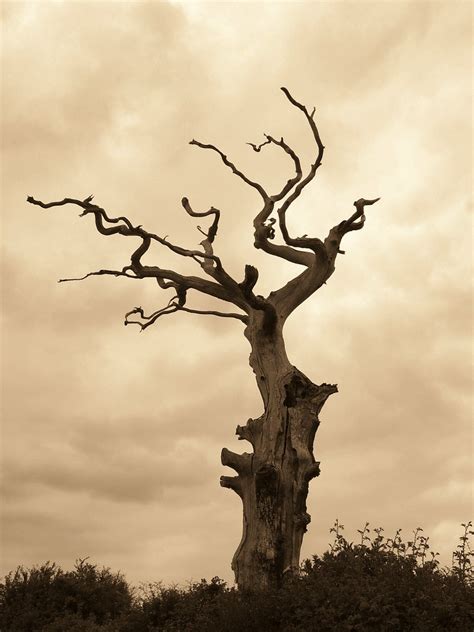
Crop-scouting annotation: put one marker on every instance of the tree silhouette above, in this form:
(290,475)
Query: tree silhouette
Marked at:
(272,481)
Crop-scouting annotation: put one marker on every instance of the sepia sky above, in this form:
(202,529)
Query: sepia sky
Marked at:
(111,438)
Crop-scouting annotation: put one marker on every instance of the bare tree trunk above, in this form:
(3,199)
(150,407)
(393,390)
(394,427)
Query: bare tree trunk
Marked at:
(273,481)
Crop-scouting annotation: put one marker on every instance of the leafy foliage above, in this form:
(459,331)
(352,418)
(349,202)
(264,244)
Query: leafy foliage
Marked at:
(378,584)
(35,599)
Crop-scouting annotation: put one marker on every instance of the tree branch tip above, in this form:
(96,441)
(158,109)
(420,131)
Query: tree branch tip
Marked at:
(363,202)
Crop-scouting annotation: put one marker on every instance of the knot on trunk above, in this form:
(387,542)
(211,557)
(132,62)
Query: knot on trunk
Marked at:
(300,388)
(302,520)
(323,392)
(251,431)
(269,318)
(312,471)
(266,481)
(297,388)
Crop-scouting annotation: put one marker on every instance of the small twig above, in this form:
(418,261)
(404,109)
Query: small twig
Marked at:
(115,273)
(257,148)
(171,308)
(212,232)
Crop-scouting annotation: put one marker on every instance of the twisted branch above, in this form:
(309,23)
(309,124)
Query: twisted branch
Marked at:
(287,149)
(225,289)
(296,291)
(317,256)
(217,272)
(232,167)
(115,273)
(313,244)
(264,230)
(126,229)
(212,232)
(171,308)
(352,223)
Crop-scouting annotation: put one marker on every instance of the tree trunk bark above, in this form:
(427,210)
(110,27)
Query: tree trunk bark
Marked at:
(273,481)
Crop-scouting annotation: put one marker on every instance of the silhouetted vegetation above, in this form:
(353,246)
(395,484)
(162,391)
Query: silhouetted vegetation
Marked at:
(378,584)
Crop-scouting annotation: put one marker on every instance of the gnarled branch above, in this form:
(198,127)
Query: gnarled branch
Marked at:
(231,166)
(313,244)
(264,231)
(296,291)
(317,256)
(126,229)
(225,289)
(172,307)
(212,232)
(287,149)
(115,273)
(292,189)
(208,264)
(352,223)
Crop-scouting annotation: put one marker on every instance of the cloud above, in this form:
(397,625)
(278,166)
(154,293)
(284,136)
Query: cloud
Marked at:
(113,437)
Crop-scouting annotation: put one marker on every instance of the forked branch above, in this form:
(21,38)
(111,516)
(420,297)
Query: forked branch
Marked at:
(126,228)
(292,190)
(296,161)
(264,231)
(352,223)
(316,255)
(172,307)
(208,264)
(231,166)
(212,232)
(225,288)
(313,244)
(296,291)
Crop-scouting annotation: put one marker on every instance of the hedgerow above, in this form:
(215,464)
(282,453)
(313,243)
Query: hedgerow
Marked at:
(378,584)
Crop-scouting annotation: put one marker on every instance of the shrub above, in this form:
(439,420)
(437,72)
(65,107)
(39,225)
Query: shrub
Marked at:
(379,584)
(34,599)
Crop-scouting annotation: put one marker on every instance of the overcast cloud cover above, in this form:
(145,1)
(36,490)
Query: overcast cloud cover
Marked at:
(111,438)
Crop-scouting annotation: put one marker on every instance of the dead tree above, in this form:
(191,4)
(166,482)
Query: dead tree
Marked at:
(272,481)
